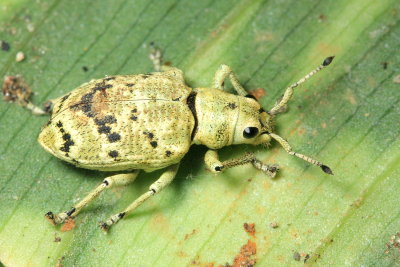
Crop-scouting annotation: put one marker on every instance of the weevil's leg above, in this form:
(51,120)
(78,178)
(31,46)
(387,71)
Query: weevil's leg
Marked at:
(289,150)
(155,57)
(281,105)
(222,73)
(109,182)
(165,179)
(215,165)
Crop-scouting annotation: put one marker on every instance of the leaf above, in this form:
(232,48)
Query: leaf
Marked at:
(347,116)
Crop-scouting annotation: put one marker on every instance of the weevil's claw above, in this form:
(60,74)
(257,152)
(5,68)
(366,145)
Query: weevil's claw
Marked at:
(50,217)
(104,226)
(55,219)
(271,170)
(326,169)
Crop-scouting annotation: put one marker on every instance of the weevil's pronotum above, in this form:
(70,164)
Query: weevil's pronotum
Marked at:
(149,121)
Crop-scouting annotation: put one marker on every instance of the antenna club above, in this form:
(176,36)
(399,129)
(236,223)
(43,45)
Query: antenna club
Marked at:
(328,61)
(326,169)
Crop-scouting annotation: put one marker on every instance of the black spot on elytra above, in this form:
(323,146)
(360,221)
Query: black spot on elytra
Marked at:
(168,153)
(65,97)
(104,129)
(59,124)
(113,153)
(87,99)
(176,99)
(66,136)
(114,137)
(66,145)
(232,105)
(149,134)
(106,120)
(153,144)
(101,86)
(133,117)
(130,84)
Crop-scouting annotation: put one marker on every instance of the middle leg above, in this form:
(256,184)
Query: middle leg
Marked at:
(222,73)
(215,165)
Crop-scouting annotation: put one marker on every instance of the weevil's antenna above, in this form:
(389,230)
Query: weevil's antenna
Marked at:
(288,149)
(289,91)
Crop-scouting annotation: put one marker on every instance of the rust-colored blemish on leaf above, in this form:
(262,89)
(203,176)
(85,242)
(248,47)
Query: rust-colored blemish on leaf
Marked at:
(258,93)
(250,228)
(68,225)
(190,234)
(247,255)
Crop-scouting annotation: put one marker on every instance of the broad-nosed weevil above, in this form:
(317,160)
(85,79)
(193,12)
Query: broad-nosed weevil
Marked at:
(149,121)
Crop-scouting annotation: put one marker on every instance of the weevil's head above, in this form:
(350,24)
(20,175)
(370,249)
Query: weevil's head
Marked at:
(253,123)
(225,119)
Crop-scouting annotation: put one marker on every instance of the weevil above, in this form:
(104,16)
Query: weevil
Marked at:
(128,123)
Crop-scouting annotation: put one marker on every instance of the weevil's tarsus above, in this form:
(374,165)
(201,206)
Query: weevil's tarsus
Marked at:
(289,91)
(270,170)
(289,150)
(164,180)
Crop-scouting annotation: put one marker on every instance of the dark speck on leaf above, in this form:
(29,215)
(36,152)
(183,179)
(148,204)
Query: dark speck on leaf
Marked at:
(4,45)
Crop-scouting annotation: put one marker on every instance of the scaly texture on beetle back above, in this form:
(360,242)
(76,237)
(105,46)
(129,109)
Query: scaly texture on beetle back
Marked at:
(122,122)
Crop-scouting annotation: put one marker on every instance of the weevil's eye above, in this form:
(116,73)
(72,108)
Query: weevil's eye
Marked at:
(250,132)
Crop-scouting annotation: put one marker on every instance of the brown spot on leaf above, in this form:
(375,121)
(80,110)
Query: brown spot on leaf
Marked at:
(247,255)
(250,228)
(258,93)
(68,225)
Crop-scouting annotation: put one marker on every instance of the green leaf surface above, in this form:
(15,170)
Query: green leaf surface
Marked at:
(347,116)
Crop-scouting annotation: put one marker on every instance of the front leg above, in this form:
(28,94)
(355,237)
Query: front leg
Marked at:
(222,73)
(215,165)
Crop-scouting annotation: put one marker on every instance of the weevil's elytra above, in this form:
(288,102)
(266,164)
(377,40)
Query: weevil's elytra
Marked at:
(149,121)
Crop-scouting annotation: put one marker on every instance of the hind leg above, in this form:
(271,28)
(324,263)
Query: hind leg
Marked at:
(164,180)
(109,182)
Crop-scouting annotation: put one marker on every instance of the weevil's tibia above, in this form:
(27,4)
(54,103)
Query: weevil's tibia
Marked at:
(214,165)
(288,149)
(289,91)
(164,180)
(109,182)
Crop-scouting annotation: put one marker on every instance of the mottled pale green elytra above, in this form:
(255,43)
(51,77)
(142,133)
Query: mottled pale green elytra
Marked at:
(149,121)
